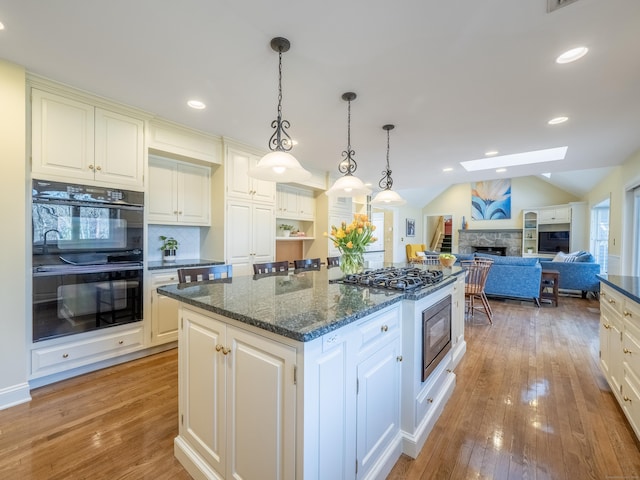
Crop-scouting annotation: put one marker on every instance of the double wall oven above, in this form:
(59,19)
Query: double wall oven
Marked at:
(87,258)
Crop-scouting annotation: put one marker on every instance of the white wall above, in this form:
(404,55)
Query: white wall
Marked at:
(614,186)
(15,279)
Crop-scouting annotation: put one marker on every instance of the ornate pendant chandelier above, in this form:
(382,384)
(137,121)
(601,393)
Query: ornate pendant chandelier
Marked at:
(348,185)
(279,165)
(387,197)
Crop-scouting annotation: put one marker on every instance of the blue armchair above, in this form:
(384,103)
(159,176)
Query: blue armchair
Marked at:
(575,275)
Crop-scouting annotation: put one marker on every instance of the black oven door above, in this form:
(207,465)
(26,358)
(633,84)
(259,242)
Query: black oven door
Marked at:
(69,299)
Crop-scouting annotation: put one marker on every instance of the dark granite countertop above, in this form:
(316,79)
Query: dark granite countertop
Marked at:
(182,263)
(628,286)
(301,305)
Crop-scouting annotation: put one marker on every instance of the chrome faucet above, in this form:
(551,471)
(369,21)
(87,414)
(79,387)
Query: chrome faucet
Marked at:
(45,248)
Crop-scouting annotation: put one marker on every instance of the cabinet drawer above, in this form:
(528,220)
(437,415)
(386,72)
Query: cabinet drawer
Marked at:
(611,298)
(631,400)
(160,279)
(57,358)
(631,313)
(382,327)
(631,348)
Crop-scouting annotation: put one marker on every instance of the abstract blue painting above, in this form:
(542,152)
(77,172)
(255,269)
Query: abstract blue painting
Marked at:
(491,200)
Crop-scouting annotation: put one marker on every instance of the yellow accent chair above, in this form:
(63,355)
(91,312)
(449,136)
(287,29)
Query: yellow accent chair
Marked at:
(412,249)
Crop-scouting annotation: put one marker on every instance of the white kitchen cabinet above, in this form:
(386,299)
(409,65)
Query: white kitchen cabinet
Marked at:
(76,141)
(295,203)
(179,192)
(237,401)
(250,240)
(458,344)
(620,350)
(558,214)
(239,184)
(164,310)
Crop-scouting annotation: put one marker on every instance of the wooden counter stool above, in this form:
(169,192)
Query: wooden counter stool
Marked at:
(549,281)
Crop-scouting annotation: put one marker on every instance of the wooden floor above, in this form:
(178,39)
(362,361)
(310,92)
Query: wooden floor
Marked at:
(530,402)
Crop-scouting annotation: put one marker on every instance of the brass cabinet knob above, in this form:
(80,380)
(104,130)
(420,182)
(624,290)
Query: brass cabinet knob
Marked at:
(65,355)
(626,350)
(611,300)
(225,351)
(120,342)
(218,348)
(399,358)
(90,167)
(384,328)
(430,400)
(627,314)
(607,326)
(98,168)
(626,399)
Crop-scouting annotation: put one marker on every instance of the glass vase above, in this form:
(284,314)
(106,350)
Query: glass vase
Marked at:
(352,262)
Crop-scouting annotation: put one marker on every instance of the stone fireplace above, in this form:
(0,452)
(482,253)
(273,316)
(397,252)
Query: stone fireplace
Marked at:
(508,241)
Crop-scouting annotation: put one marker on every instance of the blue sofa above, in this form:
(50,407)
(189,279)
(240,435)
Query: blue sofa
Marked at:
(575,275)
(515,277)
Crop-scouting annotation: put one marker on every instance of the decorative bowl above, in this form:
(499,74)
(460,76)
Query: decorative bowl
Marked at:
(447,261)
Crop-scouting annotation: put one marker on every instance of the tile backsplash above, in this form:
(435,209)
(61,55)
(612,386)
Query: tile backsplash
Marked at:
(188,241)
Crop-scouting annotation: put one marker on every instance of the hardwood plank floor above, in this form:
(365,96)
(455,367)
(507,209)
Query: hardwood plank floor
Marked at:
(530,402)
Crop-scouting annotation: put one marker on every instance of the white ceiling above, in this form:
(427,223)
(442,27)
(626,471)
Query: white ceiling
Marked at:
(456,77)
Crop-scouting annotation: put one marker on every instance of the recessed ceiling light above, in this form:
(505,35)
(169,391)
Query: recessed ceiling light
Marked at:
(448,169)
(557,120)
(572,55)
(491,153)
(197,104)
(501,170)
(525,158)
(1,26)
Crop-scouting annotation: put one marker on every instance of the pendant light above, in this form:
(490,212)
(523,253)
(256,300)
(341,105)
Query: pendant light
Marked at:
(279,165)
(348,185)
(387,197)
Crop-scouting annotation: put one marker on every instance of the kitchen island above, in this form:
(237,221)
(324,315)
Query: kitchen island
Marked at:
(299,376)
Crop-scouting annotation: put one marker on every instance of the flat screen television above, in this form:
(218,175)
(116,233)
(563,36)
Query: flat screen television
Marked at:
(553,242)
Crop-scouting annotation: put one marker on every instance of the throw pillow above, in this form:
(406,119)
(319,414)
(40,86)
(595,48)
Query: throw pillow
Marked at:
(560,256)
(420,254)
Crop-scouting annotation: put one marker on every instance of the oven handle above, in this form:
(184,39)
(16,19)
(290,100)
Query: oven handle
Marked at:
(47,271)
(76,203)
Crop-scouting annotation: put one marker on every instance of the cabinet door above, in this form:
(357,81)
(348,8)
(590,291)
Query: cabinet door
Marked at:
(194,198)
(239,184)
(306,205)
(264,224)
(287,202)
(203,388)
(239,240)
(378,405)
(261,400)
(62,136)
(119,149)
(164,310)
(163,191)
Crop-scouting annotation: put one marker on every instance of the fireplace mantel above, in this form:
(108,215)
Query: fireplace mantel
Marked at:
(509,238)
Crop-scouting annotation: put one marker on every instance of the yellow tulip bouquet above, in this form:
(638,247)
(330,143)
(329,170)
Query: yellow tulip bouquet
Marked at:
(352,239)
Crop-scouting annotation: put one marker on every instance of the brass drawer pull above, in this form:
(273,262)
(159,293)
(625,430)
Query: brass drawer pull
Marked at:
(384,328)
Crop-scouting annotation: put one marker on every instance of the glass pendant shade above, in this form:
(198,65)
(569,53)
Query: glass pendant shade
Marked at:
(348,186)
(388,198)
(281,167)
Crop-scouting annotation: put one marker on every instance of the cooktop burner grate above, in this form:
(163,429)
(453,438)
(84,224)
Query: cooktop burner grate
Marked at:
(395,278)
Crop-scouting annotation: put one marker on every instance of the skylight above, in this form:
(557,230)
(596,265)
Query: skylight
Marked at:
(525,158)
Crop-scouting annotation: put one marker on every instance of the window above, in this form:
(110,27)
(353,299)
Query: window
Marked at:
(600,234)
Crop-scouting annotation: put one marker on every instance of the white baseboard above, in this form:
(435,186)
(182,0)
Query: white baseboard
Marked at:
(14,395)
